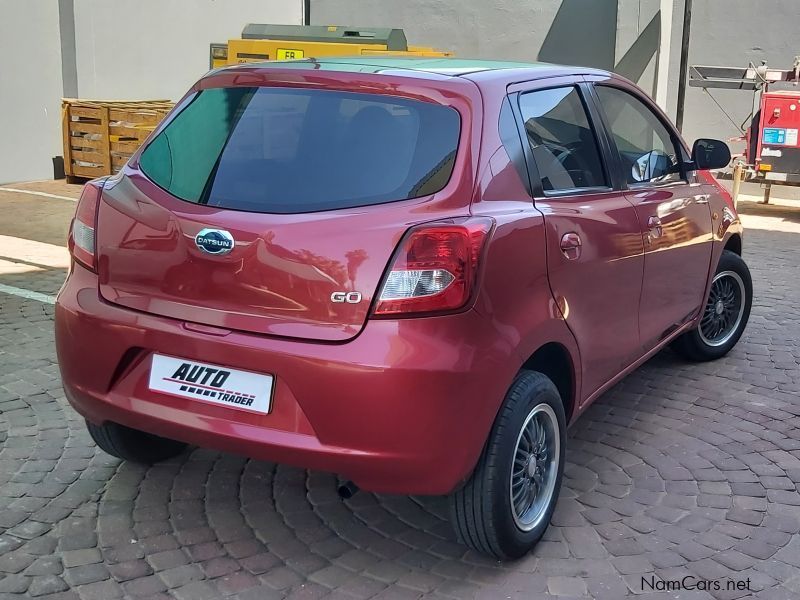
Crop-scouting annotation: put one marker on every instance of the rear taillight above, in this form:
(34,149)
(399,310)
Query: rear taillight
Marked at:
(82,233)
(434,269)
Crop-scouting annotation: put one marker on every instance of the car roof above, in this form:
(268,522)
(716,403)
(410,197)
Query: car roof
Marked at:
(478,70)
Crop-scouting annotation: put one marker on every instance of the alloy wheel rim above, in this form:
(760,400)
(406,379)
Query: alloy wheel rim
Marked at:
(724,309)
(534,467)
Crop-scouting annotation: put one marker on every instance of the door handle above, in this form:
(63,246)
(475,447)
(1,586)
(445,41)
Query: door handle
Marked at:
(654,224)
(571,245)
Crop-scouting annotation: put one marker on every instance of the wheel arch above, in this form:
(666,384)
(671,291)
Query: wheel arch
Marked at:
(554,360)
(734,244)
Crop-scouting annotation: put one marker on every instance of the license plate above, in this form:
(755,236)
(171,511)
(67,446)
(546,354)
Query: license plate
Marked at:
(289,54)
(211,383)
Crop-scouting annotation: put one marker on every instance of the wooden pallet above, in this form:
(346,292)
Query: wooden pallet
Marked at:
(100,136)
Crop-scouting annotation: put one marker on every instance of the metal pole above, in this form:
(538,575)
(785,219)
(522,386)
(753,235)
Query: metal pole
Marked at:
(684,68)
(306,12)
(767,190)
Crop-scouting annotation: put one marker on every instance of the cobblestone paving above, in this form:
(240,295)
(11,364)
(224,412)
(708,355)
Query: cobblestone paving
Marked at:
(679,470)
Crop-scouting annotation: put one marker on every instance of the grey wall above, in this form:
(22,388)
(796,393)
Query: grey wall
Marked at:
(507,29)
(159,48)
(612,34)
(619,35)
(30,89)
(734,33)
(104,49)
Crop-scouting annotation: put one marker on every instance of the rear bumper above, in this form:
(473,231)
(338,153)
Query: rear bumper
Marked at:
(405,407)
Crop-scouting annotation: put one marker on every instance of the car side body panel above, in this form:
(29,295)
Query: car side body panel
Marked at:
(515,293)
(675,221)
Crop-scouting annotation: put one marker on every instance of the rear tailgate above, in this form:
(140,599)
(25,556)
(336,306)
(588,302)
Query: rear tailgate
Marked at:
(306,257)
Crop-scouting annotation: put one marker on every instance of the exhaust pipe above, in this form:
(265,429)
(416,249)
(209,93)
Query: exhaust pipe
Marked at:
(347,490)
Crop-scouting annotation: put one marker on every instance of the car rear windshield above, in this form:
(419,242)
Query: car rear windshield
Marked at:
(279,150)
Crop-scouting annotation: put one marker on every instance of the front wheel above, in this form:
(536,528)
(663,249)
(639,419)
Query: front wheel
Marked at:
(505,507)
(725,314)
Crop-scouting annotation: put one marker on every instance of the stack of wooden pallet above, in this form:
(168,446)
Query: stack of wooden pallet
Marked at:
(100,136)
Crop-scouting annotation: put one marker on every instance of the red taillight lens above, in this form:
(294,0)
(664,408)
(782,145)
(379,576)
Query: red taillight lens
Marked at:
(82,232)
(434,269)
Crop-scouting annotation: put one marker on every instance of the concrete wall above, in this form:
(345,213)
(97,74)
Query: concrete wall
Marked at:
(620,35)
(154,49)
(734,33)
(104,49)
(30,89)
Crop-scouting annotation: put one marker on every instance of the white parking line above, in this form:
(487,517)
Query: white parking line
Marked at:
(35,193)
(29,294)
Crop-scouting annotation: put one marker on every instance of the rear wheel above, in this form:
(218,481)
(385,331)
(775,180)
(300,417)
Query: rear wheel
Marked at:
(132,444)
(505,507)
(725,314)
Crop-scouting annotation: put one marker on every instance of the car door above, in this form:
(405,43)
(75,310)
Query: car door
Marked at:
(594,246)
(672,207)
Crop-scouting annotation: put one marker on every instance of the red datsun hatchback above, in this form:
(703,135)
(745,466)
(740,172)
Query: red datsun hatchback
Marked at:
(412,273)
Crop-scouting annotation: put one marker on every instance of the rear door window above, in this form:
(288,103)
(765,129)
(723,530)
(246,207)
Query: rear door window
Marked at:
(562,141)
(278,150)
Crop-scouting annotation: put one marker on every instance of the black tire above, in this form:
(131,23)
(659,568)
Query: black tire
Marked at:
(694,345)
(481,511)
(133,445)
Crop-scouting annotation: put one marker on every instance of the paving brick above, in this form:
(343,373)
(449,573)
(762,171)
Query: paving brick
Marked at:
(44,585)
(45,565)
(627,565)
(259,563)
(735,560)
(167,559)
(196,590)
(14,584)
(144,587)
(77,558)
(236,583)
(566,586)
(86,574)
(747,517)
(102,590)
(131,569)
(181,575)
(15,561)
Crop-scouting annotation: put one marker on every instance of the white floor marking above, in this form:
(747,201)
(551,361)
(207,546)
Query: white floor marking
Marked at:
(29,294)
(40,254)
(35,193)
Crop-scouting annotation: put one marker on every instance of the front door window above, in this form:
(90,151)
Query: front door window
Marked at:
(646,148)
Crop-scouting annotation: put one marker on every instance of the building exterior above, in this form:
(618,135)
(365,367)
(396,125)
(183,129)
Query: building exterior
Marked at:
(107,49)
(104,49)
(640,39)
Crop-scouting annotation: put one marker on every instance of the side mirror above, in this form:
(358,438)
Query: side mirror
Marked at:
(710,154)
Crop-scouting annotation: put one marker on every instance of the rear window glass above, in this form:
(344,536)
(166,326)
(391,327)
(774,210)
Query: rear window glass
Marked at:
(280,150)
